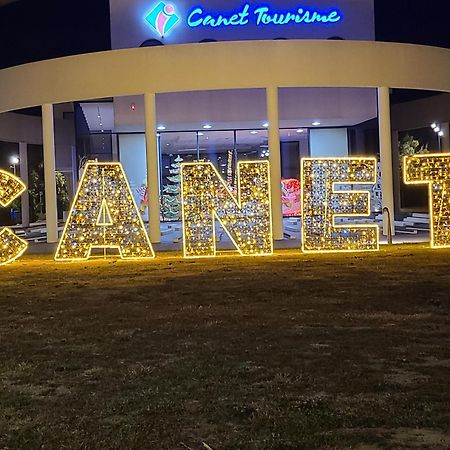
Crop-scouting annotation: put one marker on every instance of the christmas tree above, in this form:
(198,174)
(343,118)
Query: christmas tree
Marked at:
(171,197)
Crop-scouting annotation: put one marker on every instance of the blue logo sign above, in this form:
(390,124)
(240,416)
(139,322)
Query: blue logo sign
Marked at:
(162,18)
(261,15)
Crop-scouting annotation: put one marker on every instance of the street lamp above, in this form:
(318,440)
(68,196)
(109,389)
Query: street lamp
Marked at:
(14,160)
(437,129)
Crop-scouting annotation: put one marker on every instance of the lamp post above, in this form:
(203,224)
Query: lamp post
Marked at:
(436,127)
(14,160)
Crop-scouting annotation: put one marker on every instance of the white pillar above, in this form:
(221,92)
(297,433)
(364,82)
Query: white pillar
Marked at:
(387,181)
(48,135)
(25,199)
(275,161)
(152,168)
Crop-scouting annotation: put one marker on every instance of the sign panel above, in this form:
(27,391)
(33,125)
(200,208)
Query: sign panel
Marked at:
(187,21)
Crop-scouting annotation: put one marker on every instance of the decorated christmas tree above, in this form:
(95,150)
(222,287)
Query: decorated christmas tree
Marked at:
(171,197)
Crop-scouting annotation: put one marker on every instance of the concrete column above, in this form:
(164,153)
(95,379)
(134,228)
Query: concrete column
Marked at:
(48,135)
(152,168)
(275,161)
(384,124)
(25,199)
(445,140)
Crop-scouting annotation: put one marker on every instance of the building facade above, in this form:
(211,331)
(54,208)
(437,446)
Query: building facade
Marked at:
(189,81)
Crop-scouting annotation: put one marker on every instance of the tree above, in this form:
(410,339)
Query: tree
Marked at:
(171,197)
(37,192)
(409,146)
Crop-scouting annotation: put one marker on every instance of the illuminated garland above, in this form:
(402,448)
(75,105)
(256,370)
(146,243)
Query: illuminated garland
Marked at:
(11,246)
(322,201)
(104,215)
(433,170)
(206,197)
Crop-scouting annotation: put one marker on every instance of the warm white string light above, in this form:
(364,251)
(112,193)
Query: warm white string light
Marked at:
(104,215)
(322,202)
(433,169)
(246,219)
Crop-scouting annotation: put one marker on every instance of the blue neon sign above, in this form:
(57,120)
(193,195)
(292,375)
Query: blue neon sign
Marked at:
(261,16)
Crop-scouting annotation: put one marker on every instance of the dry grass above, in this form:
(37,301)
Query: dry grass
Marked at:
(287,352)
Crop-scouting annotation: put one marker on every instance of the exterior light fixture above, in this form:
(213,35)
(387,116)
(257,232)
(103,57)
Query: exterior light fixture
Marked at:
(14,160)
(253,132)
(266,124)
(437,129)
(207,126)
(315,123)
(300,130)
(199,133)
(161,128)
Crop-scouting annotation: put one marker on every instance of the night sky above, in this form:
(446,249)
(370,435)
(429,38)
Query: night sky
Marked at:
(32,30)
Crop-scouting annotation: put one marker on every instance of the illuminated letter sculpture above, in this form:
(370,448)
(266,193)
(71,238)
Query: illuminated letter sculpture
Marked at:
(434,170)
(11,246)
(322,202)
(247,219)
(104,215)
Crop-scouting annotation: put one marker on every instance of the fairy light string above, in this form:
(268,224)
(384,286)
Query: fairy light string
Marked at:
(433,169)
(324,198)
(104,191)
(246,219)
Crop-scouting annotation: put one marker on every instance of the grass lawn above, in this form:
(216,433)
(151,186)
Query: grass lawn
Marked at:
(286,352)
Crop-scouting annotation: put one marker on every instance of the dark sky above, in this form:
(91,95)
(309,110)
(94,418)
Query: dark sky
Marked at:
(32,30)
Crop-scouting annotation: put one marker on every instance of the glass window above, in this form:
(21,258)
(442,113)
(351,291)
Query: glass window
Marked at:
(294,146)
(175,148)
(252,145)
(218,148)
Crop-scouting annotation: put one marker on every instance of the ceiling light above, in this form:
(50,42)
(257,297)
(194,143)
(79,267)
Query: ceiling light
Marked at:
(200,133)
(300,130)
(253,132)
(266,124)
(207,126)
(315,123)
(437,129)
(441,133)
(433,125)
(161,128)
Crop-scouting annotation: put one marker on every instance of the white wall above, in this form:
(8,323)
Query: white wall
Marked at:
(325,142)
